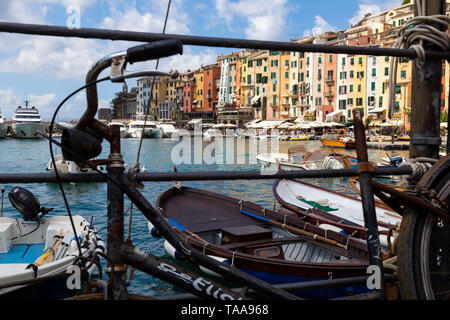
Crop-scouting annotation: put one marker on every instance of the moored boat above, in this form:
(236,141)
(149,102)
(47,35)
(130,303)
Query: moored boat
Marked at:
(324,206)
(333,141)
(167,129)
(66,166)
(256,241)
(35,247)
(3,126)
(26,122)
(149,129)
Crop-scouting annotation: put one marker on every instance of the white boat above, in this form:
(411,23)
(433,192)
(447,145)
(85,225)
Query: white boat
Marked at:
(167,129)
(35,247)
(3,126)
(136,129)
(327,207)
(66,166)
(123,129)
(25,122)
(307,160)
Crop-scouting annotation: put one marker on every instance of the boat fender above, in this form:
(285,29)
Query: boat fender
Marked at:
(153,231)
(212,273)
(333,228)
(174,253)
(100,246)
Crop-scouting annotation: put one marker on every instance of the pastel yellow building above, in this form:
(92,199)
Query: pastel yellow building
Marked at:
(197,100)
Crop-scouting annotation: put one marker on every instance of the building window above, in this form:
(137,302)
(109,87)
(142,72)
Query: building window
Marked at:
(403,74)
(372,86)
(374,72)
(331,58)
(386,71)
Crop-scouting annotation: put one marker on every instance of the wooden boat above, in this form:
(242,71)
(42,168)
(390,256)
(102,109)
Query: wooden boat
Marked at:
(333,141)
(34,247)
(327,207)
(261,242)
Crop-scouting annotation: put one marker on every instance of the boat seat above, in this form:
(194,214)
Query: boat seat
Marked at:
(6,234)
(52,231)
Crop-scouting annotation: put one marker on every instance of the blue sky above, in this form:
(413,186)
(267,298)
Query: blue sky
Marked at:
(46,69)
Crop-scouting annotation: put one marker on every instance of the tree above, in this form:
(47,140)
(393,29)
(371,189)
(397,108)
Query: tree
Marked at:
(406,2)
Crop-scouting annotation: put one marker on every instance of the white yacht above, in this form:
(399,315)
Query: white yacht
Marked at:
(136,127)
(168,129)
(25,122)
(3,126)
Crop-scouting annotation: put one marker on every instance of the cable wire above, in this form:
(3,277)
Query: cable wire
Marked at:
(53,156)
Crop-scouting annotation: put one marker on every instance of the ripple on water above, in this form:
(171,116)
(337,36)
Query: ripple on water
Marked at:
(89,199)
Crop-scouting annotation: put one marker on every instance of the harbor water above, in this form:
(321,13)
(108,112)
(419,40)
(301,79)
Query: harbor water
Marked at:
(90,199)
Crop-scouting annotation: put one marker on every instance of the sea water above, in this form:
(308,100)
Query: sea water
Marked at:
(90,199)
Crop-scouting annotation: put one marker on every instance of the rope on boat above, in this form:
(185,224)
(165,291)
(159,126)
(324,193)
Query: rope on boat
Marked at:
(412,35)
(418,167)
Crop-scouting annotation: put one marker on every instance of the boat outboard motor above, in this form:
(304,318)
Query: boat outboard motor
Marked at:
(27,204)
(86,144)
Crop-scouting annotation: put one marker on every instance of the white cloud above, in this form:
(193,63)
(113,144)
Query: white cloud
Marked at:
(11,99)
(372,7)
(265,19)
(320,26)
(150,19)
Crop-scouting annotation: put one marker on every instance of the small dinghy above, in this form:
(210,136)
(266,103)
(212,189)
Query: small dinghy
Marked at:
(260,242)
(66,166)
(326,207)
(35,247)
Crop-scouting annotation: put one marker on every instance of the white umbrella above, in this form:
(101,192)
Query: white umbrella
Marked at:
(219,125)
(285,125)
(230,125)
(444,124)
(334,124)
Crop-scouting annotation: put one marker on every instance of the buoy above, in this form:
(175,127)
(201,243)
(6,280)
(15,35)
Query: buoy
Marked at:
(333,228)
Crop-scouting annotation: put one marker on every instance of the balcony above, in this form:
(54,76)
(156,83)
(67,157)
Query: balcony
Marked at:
(329,94)
(329,81)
